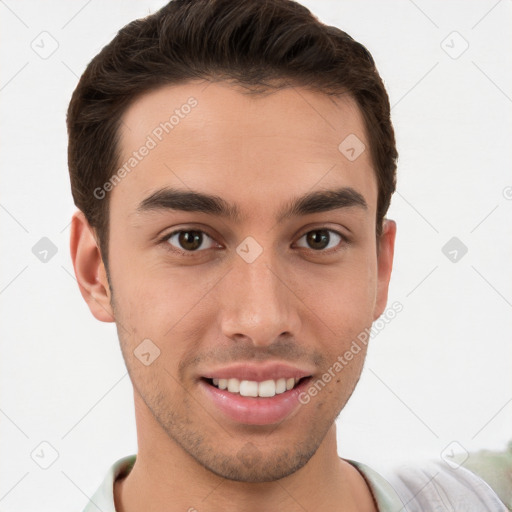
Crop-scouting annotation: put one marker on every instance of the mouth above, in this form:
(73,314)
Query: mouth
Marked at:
(252,388)
(254,395)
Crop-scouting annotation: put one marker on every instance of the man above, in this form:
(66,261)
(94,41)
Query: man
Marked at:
(233,163)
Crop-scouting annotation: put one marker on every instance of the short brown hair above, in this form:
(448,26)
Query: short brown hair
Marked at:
(262,45)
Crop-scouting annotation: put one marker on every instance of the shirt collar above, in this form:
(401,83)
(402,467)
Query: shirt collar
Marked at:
(103,498)
(386,498)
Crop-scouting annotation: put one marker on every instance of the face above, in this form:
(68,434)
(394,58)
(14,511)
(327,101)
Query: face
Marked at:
(243,251)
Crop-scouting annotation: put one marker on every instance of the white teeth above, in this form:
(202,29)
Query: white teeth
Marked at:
(280,386)
(266,388)
(249,388)
(233,385)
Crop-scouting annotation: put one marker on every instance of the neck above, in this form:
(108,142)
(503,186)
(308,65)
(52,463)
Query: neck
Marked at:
(165,478)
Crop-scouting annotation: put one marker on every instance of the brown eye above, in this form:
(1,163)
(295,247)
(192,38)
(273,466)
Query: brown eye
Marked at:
(320,239)
(190,240)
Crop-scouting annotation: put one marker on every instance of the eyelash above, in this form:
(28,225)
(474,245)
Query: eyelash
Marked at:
(165,240)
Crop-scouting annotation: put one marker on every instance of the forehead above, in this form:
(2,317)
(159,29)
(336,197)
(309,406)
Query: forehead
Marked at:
(217,138)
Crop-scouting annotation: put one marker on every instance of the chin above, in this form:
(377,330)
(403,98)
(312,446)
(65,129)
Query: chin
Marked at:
(249,465)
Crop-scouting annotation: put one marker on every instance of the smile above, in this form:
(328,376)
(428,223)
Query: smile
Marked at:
(265,389)
(253,394)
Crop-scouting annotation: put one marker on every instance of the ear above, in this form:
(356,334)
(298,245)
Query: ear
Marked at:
(386,248)
(89,268)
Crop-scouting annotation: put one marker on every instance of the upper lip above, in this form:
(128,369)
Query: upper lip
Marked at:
(257,372)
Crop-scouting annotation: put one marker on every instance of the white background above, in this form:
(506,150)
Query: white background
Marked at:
(439,372)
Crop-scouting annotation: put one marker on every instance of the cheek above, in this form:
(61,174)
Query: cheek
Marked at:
(342,297)
(159,302)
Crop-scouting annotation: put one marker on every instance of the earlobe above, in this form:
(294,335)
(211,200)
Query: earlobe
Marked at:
(89,269)
(384,265)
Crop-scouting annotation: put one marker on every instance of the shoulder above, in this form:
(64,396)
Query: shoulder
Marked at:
(434,485)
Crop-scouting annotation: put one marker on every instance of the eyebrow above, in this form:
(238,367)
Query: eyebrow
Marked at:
(192,201)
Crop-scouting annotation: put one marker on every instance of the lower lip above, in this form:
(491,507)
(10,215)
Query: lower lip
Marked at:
(255,410)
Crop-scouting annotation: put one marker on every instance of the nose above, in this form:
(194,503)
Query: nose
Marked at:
(257,303)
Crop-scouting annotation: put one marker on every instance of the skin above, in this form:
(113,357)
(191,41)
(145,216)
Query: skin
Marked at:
(294,303)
